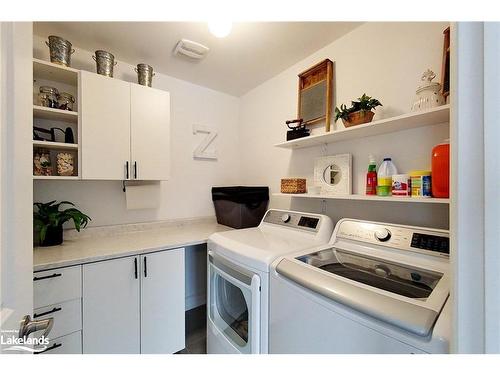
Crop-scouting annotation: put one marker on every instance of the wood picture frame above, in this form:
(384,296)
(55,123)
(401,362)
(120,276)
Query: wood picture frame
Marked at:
(315,94)
(445,67)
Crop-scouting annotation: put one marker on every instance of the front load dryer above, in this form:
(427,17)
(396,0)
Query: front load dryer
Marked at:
(238,276)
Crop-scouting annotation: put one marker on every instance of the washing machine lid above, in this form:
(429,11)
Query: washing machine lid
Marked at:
(259,247)
(416,318)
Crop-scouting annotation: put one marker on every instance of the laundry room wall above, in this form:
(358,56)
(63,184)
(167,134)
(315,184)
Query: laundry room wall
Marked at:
(187,193)
(383,60)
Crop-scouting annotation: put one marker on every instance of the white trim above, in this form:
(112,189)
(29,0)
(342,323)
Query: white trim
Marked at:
(467,187)
(16,170)
(492,185)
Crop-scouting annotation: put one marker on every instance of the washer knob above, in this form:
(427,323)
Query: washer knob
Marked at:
(285,218)
(383,235)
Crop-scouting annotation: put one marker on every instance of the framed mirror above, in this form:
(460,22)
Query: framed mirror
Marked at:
(315,94)
(333,174)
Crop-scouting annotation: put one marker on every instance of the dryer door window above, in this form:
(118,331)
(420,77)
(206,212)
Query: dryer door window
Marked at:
(234,305)
(232,308)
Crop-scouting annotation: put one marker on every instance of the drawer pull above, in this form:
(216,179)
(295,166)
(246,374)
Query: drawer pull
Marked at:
(36,278)
(55,309)
(49,348)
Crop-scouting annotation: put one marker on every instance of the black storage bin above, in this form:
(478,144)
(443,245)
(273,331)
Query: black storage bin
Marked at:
(240,206)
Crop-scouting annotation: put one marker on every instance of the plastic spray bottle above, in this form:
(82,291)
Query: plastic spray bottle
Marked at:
(371,177)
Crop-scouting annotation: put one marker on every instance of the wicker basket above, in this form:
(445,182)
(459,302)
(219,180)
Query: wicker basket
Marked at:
(293,185)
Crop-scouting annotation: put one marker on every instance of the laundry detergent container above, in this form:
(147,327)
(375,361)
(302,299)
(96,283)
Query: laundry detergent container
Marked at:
(240,206)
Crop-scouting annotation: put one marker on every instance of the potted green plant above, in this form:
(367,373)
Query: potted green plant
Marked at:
(48,221)
(360,111)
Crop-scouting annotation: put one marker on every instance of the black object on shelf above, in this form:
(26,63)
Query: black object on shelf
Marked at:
(41,134)
(240,206)
(68,134)
(49,135)
(296,131)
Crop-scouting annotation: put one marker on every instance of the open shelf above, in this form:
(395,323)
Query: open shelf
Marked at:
(434,116)
(361,197)
(55,114)
(56,178)
(54,72)
(56,145)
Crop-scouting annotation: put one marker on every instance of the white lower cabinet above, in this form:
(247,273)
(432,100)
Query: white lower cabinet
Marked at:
(134,304)
(162,302)
(69,344)
(111,307)
(67,317)
(57,294)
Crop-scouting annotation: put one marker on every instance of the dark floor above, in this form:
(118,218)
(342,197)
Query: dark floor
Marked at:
(196,331)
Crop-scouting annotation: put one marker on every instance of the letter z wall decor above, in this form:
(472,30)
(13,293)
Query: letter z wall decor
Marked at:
(200,152)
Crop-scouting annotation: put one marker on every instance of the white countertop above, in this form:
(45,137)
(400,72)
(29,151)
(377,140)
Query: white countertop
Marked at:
(101,243)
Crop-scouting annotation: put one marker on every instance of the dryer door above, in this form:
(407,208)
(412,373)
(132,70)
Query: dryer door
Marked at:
(234,304)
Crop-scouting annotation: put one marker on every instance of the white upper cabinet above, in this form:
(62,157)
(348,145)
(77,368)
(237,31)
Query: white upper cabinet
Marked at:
(125,130)
(150,133)
(105,116)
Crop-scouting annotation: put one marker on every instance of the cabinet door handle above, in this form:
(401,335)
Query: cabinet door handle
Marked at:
(135,267)
(36,278)
(135,170)
(126,170)
(55,309)
(50,348)
(145,267)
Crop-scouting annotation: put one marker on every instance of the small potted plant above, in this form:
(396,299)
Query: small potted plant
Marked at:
(48,221)
(359,113)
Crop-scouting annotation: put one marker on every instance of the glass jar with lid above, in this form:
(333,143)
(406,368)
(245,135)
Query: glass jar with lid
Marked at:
(66,101)
(48,97)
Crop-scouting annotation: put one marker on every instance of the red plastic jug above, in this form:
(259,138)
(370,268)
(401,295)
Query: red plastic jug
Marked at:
(441,171)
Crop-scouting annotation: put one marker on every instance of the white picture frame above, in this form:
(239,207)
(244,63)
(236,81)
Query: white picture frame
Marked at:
(338,172)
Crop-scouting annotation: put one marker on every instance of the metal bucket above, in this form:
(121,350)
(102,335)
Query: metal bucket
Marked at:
(60,50)
(144,74)
(105,62)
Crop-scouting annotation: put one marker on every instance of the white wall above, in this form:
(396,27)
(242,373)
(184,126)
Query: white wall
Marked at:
(187,193)
(385,60)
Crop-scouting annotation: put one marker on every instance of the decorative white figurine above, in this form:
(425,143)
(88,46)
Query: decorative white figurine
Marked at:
(428,93)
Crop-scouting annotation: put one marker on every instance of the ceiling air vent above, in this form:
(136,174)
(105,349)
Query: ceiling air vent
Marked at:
(191,49)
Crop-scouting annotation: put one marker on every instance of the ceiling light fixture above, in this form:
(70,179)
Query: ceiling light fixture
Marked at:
(220,28)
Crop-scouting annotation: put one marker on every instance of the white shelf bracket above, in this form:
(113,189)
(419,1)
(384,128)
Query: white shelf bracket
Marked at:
(324,206)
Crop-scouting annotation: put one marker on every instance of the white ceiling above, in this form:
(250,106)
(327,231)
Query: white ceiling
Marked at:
(251,54)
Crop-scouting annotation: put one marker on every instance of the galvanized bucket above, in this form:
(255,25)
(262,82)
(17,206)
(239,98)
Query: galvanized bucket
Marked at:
(144,74)
(60,50)
(105,62)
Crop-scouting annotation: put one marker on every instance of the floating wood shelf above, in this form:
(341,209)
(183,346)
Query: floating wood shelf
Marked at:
(54,72)
(55,114)
(434,116)
(361,197)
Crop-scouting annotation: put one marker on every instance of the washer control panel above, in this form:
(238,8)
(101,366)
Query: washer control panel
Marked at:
(435,242)
(295,220)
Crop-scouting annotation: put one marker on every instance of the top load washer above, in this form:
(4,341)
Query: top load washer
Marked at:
(238,276)
(376,288)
